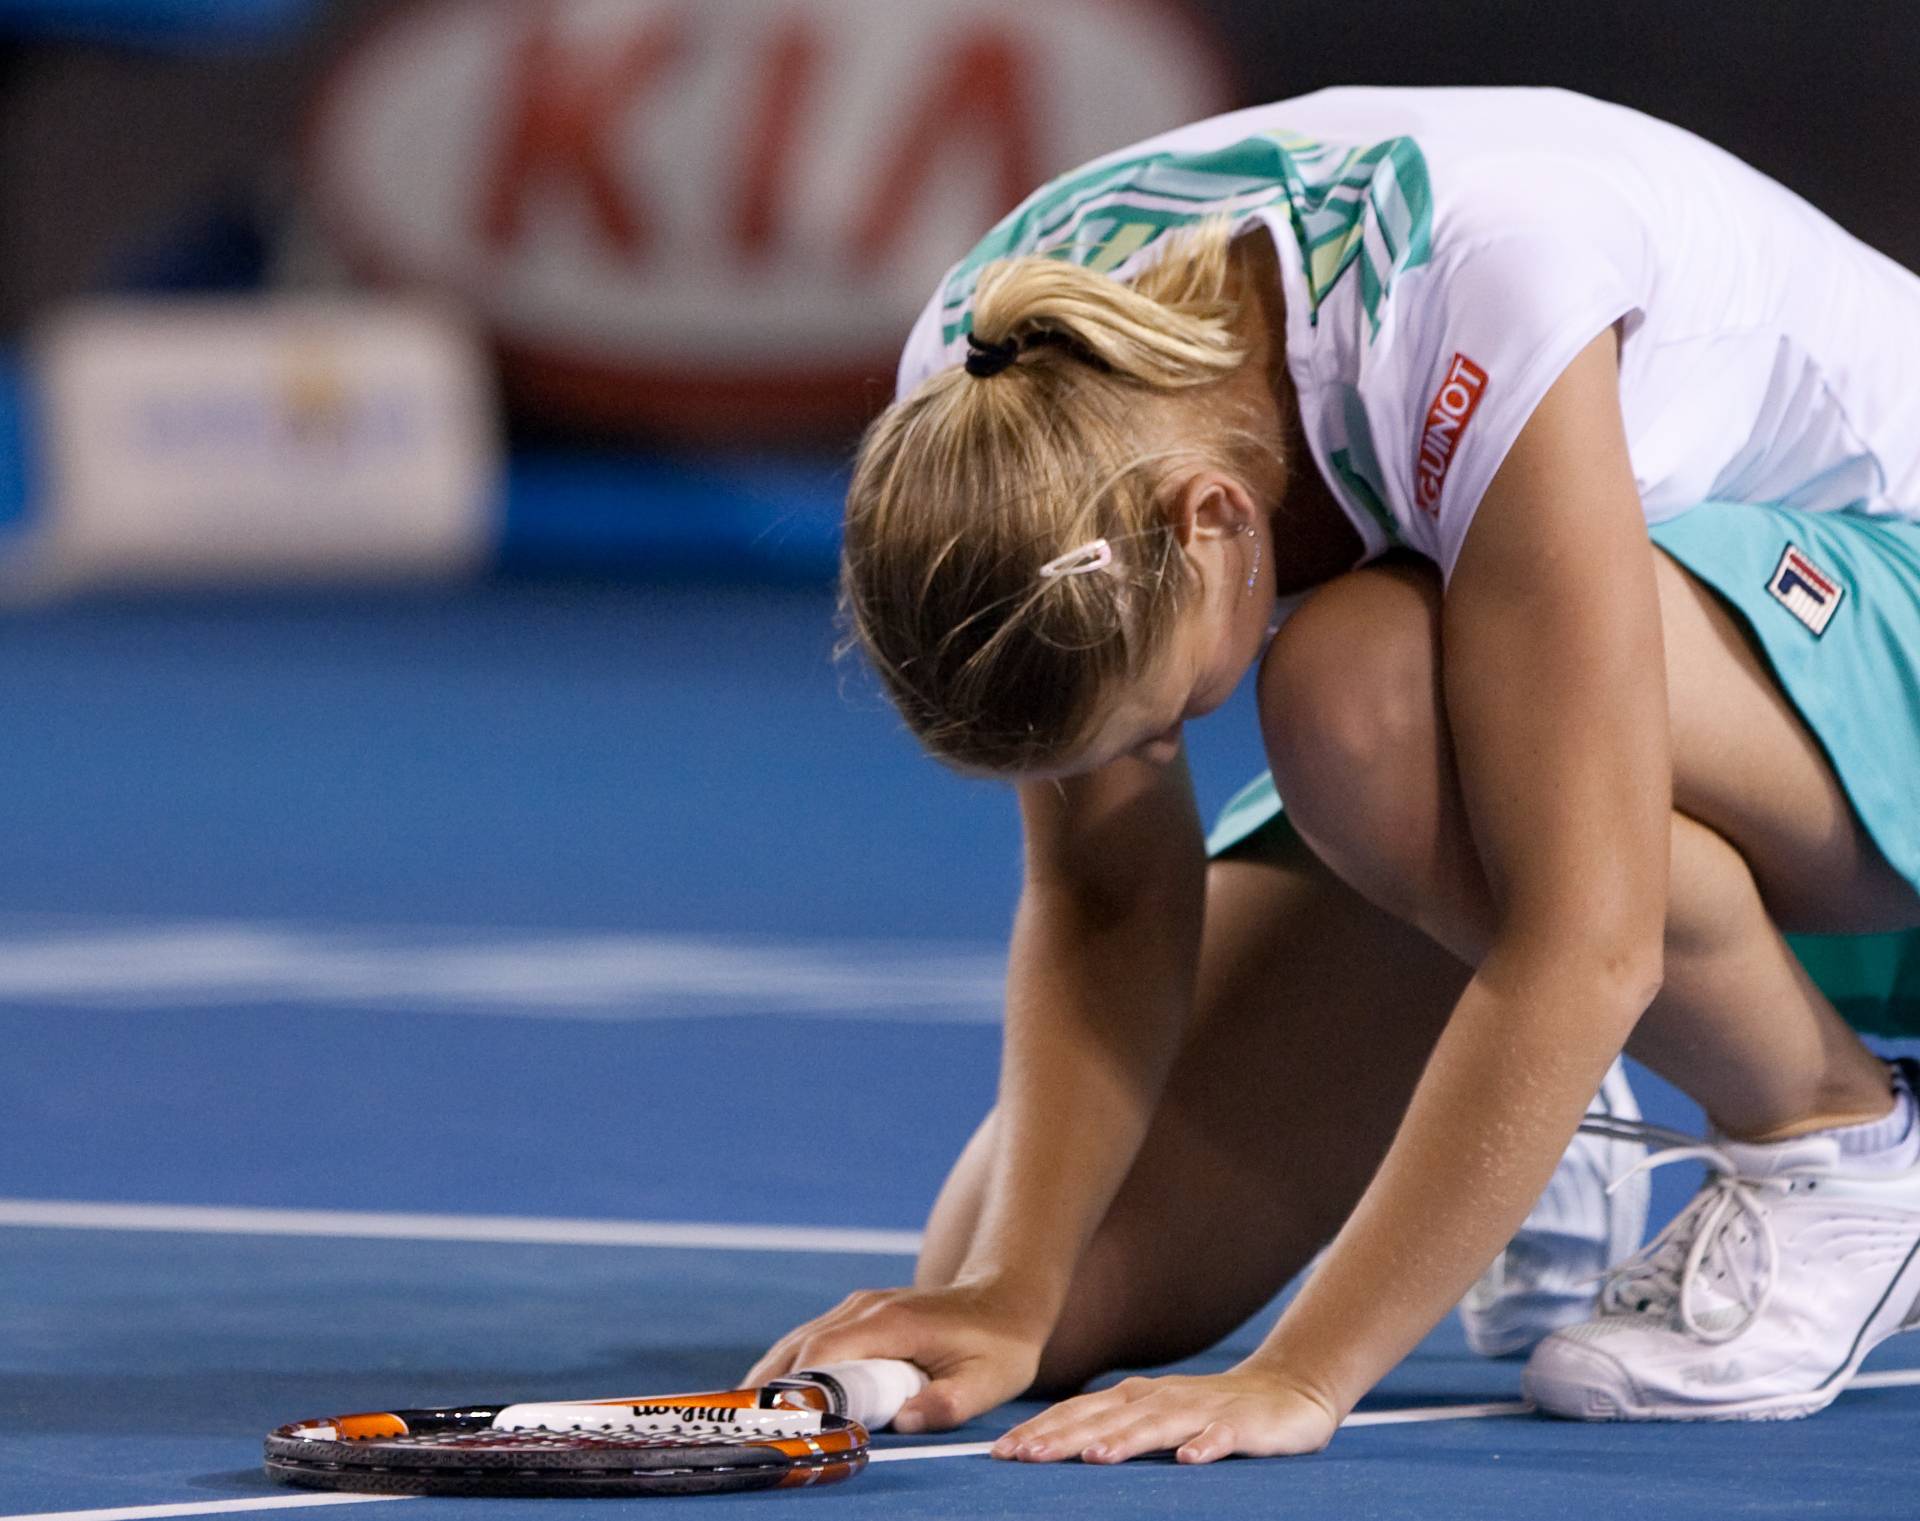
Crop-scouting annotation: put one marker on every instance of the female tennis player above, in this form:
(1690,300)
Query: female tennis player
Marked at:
(1591,459)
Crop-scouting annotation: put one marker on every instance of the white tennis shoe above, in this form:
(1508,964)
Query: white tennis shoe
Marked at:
(1757,1303)
(1550,1273)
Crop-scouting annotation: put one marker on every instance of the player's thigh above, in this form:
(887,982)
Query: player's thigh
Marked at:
(1747,766)
(1314,1016)
(1362,683)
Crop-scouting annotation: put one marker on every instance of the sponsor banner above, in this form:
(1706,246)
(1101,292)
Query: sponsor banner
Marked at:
(209,441)
(716,219)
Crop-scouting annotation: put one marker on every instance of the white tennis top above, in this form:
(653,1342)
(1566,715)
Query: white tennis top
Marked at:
(1445,253)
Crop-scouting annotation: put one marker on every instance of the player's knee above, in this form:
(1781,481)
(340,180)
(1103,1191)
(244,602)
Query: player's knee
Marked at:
(1350,706)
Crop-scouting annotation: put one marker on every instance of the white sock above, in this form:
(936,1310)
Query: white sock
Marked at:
(1888,1144)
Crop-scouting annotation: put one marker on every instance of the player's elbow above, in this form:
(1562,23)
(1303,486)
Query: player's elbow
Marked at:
(1624,964)
(1609,966)
(1635,973)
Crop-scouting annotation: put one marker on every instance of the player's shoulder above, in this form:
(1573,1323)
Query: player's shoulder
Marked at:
(1493,162)
(934,341)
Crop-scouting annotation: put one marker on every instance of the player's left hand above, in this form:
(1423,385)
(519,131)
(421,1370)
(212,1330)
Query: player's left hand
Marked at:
(1200,1419)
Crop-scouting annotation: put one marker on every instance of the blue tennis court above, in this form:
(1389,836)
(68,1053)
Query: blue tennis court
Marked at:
(551,989)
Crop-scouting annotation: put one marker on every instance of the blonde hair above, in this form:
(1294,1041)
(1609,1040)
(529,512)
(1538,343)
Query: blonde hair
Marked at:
(966,488)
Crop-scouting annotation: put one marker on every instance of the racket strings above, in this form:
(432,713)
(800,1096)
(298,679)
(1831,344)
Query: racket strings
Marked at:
(571,1438)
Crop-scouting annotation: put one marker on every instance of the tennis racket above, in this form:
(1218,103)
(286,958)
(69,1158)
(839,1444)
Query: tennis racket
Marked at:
(806,1429)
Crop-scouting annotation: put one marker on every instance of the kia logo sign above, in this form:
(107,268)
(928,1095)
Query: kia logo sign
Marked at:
(707,219)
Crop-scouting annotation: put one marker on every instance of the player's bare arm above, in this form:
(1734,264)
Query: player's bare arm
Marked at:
(1099,979)
(1558,709)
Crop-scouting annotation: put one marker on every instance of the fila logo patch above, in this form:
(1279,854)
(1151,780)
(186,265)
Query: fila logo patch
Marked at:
(1453,407)
(1805,590)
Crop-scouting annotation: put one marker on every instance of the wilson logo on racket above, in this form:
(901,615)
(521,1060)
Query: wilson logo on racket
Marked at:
(714,1415)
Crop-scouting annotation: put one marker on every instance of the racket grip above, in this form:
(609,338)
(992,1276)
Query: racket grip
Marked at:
(870,1391)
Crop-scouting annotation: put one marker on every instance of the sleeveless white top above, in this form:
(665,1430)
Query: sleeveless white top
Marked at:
(1445,253)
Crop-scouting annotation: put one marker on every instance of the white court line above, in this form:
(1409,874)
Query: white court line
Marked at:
(1418,1413)
(1889,1379)
(908,1454)
(201,1507)
(70,1214)
(141,966)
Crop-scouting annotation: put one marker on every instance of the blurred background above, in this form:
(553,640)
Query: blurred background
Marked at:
(422,427)
(375,289)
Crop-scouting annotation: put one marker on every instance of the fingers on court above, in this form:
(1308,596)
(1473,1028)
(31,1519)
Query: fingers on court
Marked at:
(1159,1426)
(1065,1430)
(1217,1441)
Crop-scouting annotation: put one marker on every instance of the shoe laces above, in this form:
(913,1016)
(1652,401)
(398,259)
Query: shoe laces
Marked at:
(1664,1275)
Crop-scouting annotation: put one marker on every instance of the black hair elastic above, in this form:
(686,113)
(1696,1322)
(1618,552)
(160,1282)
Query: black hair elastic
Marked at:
(988,359)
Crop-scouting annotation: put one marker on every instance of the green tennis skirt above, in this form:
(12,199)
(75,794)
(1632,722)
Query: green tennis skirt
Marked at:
(1833,600)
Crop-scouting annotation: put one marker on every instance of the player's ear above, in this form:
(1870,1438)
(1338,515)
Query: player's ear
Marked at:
(1209,504)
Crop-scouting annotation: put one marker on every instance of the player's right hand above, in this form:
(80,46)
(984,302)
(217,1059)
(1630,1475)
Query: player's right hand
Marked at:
(967,1338)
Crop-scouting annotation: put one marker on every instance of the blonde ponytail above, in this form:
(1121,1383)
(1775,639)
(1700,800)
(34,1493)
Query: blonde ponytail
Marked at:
(964,490)
(1172,329)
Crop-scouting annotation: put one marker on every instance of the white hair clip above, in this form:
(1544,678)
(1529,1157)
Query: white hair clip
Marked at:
(1095,554)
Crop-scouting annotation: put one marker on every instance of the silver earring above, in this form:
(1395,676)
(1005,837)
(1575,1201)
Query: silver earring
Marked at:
(1254,574)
